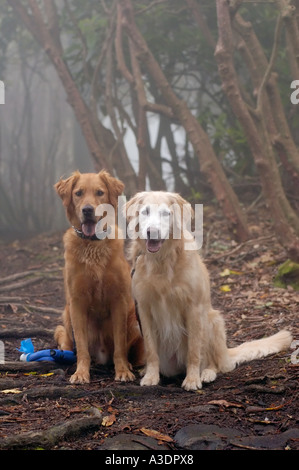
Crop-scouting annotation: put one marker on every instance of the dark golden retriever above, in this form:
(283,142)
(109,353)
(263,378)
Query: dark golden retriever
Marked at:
(99,317)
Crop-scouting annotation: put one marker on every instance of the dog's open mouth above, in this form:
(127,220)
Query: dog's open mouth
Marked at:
(89,228)
(153,245)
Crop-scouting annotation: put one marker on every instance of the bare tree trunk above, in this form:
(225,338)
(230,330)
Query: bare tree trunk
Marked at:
(39,30)
(290,17)
(209,163)
(285,221)
(124,164)
(200,20)
(100,141)
(258,65)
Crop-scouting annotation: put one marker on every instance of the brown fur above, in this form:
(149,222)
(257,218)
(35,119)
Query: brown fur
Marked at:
(99,311)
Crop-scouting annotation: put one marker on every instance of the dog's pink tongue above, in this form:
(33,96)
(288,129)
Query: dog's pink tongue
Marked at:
(89,229)
(153,245)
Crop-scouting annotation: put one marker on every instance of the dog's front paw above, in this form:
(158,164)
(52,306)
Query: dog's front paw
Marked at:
(208,375)
(192,383)
(150,379)
(123,371)
(124,375)
(80,377)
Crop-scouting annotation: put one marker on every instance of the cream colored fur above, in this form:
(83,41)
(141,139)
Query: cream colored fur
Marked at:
(182,332)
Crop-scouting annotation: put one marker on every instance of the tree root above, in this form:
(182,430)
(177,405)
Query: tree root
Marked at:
(28,307)
(19,366)
(45,393)
(16,276)
(20,285)
(48,438)
(26,333)
(35,277)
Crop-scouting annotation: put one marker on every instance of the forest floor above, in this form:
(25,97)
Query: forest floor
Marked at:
(253,407)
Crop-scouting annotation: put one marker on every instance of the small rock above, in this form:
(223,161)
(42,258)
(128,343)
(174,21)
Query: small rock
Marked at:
(270,441)
(131,442)
(205,437)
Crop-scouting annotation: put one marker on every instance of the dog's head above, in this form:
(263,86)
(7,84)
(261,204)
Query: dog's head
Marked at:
(156,216)
(82,193)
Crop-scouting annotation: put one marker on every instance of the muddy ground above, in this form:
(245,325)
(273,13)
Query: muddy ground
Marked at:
(253,407)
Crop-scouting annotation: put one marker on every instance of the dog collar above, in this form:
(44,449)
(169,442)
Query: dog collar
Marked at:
(97,236)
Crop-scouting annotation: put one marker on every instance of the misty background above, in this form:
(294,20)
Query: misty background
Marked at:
(144,89)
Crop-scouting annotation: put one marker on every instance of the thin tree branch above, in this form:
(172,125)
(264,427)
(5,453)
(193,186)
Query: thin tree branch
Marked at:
(119,49)
(271,63)
(153,4)
(101,58)
(80,36)
(201,22)
(53,22)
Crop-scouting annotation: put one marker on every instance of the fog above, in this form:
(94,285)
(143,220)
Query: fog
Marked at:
(40,141)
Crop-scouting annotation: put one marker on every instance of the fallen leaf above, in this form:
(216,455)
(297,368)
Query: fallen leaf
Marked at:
(227,272)
(46,375)
(111,401)
(261,421)
(225,288)
(108,420)
(226,404)
(11,390)
(13,307)
(156,435)
(77,409)
(266,258)
(255,409)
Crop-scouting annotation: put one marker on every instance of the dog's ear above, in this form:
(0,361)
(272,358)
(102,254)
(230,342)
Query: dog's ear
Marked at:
(133,205)
(115,186)
(185,207)
(131,213)
(64,188)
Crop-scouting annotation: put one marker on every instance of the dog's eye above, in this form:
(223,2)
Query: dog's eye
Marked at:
(100,192)
(79,193)
(165,213)
(145,211)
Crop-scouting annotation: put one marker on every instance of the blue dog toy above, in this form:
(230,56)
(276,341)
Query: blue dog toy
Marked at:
(50,355)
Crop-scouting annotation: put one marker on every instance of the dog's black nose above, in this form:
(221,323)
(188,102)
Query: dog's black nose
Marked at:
(88,210)
(153,233)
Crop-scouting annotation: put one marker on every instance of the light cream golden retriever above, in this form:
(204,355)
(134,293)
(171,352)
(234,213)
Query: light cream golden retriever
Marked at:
(182,332)
(99,318)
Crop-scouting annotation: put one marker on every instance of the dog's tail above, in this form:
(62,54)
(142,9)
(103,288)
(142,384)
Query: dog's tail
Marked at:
(260,348)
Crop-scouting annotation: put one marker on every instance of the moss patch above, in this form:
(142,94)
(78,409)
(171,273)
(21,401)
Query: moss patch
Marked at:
(288,275)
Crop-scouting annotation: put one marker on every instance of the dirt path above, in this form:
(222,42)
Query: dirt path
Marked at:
(254,407)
